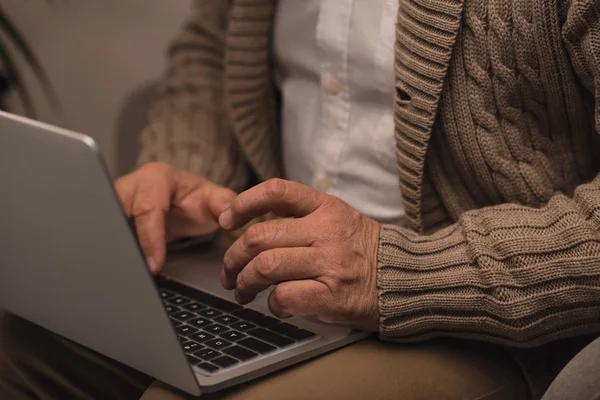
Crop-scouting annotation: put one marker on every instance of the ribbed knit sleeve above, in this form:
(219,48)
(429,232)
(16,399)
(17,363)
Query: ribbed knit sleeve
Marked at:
(508,274)
(188,125)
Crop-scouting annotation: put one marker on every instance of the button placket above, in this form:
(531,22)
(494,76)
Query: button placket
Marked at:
(333,30)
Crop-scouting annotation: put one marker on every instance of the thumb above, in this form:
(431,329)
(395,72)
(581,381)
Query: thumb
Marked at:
(219,200)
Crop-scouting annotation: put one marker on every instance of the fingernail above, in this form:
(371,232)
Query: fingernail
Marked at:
(225,219)
(225,206)
(151,264)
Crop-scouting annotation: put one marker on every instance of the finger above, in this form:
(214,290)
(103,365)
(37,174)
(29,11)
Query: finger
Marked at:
(151,202)
(150,228)
(199,198)
(219,200)
(283,198)
(273,266)
(301,298)
(197,213)
(258,238)
(196,206)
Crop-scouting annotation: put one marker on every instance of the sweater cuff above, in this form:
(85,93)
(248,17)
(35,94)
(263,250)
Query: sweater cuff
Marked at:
(423,283)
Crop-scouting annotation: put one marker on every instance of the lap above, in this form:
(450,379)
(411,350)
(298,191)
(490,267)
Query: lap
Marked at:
(33,360)
(444,369)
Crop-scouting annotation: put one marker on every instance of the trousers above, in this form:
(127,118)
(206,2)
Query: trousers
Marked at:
(37,364)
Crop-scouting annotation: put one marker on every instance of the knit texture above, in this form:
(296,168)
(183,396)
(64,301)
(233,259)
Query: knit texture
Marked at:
(497,115)
(515,131)
(189,125)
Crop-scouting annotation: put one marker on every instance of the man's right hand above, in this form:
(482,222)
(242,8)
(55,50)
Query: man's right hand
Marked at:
(168,204)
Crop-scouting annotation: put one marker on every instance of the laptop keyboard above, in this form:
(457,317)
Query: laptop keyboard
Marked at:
(217,334)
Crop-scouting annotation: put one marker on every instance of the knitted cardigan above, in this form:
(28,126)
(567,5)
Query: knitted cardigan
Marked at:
(497,116)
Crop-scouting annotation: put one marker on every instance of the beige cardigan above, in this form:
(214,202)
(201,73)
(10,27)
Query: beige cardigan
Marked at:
(497,148)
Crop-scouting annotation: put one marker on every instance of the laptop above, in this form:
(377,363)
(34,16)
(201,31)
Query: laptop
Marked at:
(70,262)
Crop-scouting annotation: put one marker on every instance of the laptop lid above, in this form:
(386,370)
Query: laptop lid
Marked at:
(68,259)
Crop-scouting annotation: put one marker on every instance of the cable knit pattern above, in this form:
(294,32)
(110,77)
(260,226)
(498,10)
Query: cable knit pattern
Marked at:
(509,265)
(497,117)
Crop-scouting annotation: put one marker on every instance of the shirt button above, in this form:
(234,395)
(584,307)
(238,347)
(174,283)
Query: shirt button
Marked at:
(333,85)
(322,184)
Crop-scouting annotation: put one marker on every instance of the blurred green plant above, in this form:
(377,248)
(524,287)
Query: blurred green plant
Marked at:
(12,46)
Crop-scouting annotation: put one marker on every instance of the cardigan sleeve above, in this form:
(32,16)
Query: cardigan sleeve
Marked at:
(507,274)
(188,127)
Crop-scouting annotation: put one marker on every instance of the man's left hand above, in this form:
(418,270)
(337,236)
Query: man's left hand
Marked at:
(322,255)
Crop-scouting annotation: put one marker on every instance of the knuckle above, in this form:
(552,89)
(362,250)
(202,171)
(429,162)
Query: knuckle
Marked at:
(282,298)
(265,265)
(333,283)
(237,206)
(331,201)
(228,263)
(142,207)
(354,215)
(275,188)
(255,236)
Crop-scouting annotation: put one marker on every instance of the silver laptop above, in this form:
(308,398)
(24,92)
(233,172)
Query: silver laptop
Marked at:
(70,263)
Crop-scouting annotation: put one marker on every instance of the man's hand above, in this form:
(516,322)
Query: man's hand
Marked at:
(168,204)
(322,259)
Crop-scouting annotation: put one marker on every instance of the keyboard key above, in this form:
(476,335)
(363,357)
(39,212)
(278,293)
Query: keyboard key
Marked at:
(182,339)
(186,330)
(207,354)
(255,317)
(171,309)
(193,360)
(201,337)
(218,344)
(193,306)
(209,313)
(248,314)
(240,353)
(300,334)
(256,345)
(232,336)
(267,321)
(208,367)
(243,326)
(270,337)
(165,294)
(178,301)
(225,319)
(202,297)
(190,347)
(283,328)
(200,322)
(183,315)
(216,329)
(225,361)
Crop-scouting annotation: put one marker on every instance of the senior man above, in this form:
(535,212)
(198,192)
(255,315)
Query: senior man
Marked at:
(424,169)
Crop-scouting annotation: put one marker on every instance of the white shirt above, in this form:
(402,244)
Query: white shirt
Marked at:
(335,70)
